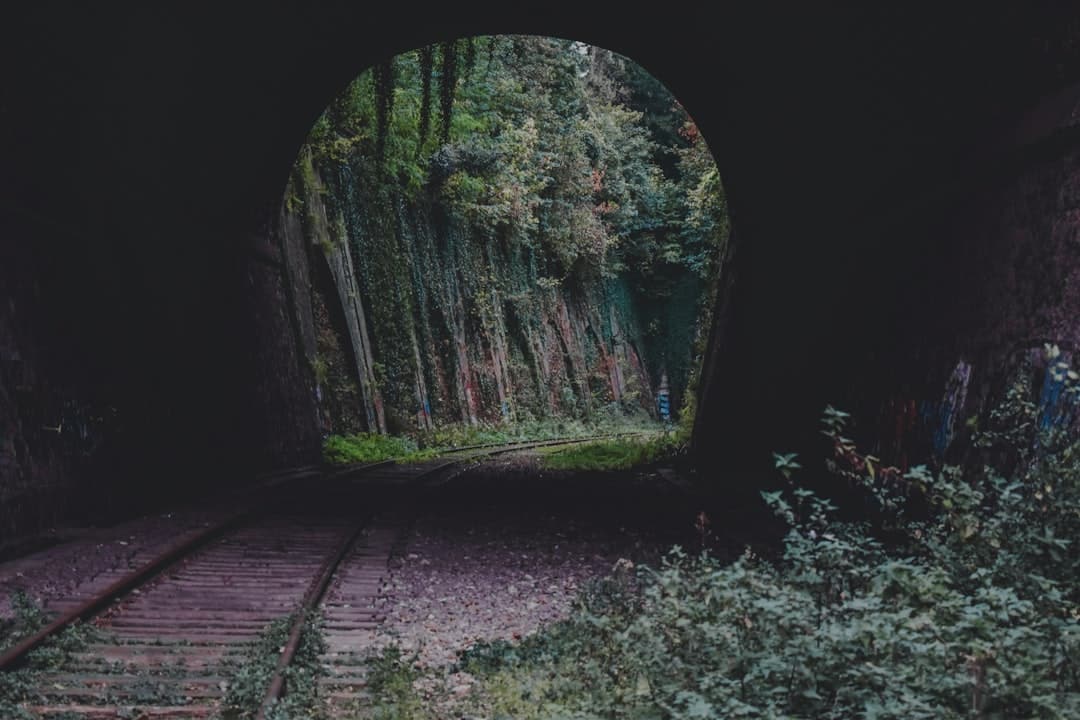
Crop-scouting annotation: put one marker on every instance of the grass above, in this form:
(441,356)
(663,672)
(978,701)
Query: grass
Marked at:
(372,447)
(426,444)
(617,454)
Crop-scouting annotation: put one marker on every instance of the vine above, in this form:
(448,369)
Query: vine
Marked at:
(448,86)
(427,57)
(384,104)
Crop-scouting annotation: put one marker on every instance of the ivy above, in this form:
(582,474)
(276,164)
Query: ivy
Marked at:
(448,85)
(542,193)
(384,93)
(426,56)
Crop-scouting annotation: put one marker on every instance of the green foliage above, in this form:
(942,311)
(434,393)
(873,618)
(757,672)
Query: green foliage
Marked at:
(426,444)
(390,681)
(448,437)
(27,618)
(558,172)
(19,687)
(366,447)
(249,677)
(618,454)
(59,648)
(969,611)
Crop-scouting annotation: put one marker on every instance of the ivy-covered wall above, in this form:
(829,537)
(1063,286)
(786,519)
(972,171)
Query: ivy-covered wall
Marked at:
(503,229)
(421,322)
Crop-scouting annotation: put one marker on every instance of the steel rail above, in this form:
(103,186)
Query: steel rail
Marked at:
(16,656)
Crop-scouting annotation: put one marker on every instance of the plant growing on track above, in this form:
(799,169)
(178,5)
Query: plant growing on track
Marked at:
(249,677)
(27,618)
(17,687)
(391,675)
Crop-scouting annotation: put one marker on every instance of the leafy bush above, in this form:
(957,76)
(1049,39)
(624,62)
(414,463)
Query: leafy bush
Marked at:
(969,611)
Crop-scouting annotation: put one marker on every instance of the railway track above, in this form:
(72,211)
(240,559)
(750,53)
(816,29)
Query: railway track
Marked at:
(168,634)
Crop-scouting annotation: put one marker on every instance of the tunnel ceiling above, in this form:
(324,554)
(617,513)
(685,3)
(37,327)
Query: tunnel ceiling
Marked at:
(143,149)
(111,107)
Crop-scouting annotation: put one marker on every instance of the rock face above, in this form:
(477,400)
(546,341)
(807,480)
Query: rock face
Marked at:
(411,321)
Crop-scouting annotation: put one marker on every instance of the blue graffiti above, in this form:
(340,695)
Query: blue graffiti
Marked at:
(1056,404)
(951,406)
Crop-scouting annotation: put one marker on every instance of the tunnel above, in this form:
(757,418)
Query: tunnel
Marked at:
(902,188)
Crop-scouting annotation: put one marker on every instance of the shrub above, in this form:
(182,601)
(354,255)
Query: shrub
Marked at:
(969,611)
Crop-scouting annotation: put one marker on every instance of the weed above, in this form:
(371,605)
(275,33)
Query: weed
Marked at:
(248,678)
(618,454)
(19,686)
(391,675)
(972,612)
(28,618)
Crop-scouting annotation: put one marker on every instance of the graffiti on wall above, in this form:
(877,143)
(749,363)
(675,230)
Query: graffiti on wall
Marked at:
(952,404)
(1057,406)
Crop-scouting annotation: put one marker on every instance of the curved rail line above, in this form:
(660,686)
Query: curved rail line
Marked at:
(173,622)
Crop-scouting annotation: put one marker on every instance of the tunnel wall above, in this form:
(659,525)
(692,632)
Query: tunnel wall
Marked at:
(34,465)
(972,275)
(1002,280)
(161,139)
(284,405)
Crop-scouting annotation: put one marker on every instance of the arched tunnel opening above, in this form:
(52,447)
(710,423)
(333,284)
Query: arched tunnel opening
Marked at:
(877,501)
(501,237)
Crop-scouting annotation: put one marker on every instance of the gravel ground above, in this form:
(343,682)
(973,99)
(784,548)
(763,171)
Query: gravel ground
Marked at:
(504,550)
(465,580)
(497,552)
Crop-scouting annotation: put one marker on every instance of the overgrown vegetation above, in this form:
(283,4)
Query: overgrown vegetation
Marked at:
(249,677)
(615,454)
(371,447)
(969,609)
(26,619)
(426,444)
(532,225)
(19,687)
(390,679)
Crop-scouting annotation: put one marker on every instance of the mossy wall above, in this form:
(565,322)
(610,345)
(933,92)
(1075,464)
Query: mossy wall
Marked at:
(421,319)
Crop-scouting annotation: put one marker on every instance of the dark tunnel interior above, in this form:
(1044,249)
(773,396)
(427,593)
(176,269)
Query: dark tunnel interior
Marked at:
(902,188)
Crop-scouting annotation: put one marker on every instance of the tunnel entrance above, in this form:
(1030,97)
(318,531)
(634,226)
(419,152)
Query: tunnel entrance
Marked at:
(502,235)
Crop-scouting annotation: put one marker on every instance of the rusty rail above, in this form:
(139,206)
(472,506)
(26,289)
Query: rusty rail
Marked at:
(314,594)
(15,656)
(138,625)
